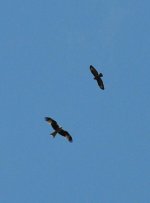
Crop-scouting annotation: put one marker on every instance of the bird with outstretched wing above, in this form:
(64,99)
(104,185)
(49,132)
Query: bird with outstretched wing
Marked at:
(97,77)
(58,129)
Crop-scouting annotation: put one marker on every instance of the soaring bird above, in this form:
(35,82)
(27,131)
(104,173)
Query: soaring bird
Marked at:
(97,77)
(58,129)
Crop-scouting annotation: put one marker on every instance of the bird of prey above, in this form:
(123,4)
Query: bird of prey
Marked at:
(58,129)
(97,77)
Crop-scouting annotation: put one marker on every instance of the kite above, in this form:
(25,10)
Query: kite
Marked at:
(97,77)
(58,129)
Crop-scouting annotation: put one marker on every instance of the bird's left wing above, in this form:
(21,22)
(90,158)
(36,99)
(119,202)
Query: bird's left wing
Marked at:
(66,134)
(100,83)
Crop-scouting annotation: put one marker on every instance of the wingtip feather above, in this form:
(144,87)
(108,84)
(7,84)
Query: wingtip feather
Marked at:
(46,118)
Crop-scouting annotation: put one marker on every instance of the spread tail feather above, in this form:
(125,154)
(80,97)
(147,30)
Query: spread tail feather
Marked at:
(54,133)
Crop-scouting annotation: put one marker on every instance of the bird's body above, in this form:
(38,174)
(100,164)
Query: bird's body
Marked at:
(58,129)
(97,77)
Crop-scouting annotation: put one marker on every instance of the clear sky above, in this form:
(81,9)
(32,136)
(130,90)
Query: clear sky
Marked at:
(46,48)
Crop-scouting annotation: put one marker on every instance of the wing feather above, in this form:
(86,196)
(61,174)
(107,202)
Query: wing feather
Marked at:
(93,71)
(52,122)
(100,83)
(66,134)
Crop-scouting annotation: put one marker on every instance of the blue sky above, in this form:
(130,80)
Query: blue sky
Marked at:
(46,48)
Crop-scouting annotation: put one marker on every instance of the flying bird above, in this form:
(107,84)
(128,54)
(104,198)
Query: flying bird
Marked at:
(97,77)
(58,129)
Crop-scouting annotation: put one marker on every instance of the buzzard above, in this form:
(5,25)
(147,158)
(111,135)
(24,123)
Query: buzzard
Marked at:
(58,129)
(97,77)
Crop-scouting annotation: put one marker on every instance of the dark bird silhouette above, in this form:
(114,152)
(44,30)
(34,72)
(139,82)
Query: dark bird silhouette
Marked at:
(97,77)
(58,129)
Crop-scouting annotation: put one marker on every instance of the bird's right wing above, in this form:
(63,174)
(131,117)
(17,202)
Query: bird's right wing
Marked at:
(93,71)
(52,122)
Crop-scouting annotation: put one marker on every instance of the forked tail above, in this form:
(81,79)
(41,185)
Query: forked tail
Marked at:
(54,133)
(100,75)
